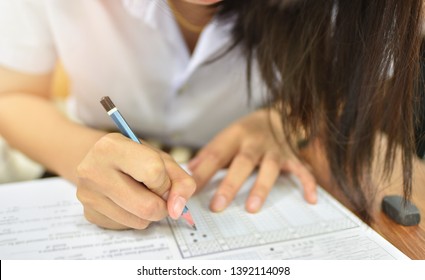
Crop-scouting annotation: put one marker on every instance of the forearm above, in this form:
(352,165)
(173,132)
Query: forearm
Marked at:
(34,126)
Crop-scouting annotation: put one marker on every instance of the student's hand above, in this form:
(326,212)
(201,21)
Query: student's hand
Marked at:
(247,144)
(123,184)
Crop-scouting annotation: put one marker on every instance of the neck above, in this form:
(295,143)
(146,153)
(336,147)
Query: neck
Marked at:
(191,14)
(191,19)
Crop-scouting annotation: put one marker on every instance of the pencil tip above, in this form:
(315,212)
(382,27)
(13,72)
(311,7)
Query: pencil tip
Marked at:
(188,217)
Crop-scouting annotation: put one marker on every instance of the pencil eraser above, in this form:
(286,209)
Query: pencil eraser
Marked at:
(406,215)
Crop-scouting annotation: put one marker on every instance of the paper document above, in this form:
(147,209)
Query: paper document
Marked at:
(43,219)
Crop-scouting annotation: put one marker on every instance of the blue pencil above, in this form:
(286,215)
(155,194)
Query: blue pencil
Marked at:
(125,129)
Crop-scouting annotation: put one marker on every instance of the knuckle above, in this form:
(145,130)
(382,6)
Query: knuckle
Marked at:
(105,144)
(89,166)
(253,144)
(156,171)
(292,165)
(149,209)
(140,224)
(188,184)
(214,156)
(248,157)
(261,190)
(84,171)
(166,156)
(238,129)
(102,221)
(85,198)
(229,187)
(90,217)
(273,158)
(81,196)
(258,139)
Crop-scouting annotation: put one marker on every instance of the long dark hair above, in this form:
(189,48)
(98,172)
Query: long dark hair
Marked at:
(341,71)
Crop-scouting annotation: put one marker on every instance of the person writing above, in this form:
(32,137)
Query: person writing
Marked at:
(167,67)
(338,75)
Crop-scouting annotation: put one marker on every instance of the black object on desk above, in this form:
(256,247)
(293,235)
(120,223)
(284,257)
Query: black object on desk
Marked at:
(406,215)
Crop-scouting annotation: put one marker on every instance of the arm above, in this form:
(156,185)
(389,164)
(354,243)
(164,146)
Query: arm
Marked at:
(121,184)
(31,123)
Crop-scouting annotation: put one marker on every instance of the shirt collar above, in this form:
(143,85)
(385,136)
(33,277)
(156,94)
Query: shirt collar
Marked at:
(150,11)
(214,39)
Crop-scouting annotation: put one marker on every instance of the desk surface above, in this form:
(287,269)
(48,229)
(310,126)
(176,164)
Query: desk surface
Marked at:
(409,240)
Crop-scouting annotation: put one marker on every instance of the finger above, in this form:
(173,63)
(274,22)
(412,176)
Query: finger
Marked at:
(113,217)
(266,178)
(196,160)
(135,198)
(182,188)
(103,205)
(213,157)
(306,178)
(240,169)
(124,191)
(141,162)
(102,221)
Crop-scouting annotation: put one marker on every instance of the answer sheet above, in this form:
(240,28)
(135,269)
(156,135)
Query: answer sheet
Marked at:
(43,219)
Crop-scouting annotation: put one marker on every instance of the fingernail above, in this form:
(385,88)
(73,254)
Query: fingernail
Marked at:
(219,203)
(178,207)
(254,204)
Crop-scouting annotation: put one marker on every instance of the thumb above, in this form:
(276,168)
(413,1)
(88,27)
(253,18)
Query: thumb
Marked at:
(182,188)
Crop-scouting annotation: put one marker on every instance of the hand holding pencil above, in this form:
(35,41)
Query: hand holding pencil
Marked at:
(123,184)
(127,131)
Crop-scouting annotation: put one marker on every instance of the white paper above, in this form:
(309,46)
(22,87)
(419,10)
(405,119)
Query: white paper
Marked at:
(43,219)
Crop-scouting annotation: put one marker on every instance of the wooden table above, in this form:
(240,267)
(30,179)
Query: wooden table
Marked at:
(410,240)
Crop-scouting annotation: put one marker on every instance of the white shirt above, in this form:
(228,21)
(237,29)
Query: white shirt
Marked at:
(132,51)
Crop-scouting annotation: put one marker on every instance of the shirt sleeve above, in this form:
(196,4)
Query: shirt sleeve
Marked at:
(26,42)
